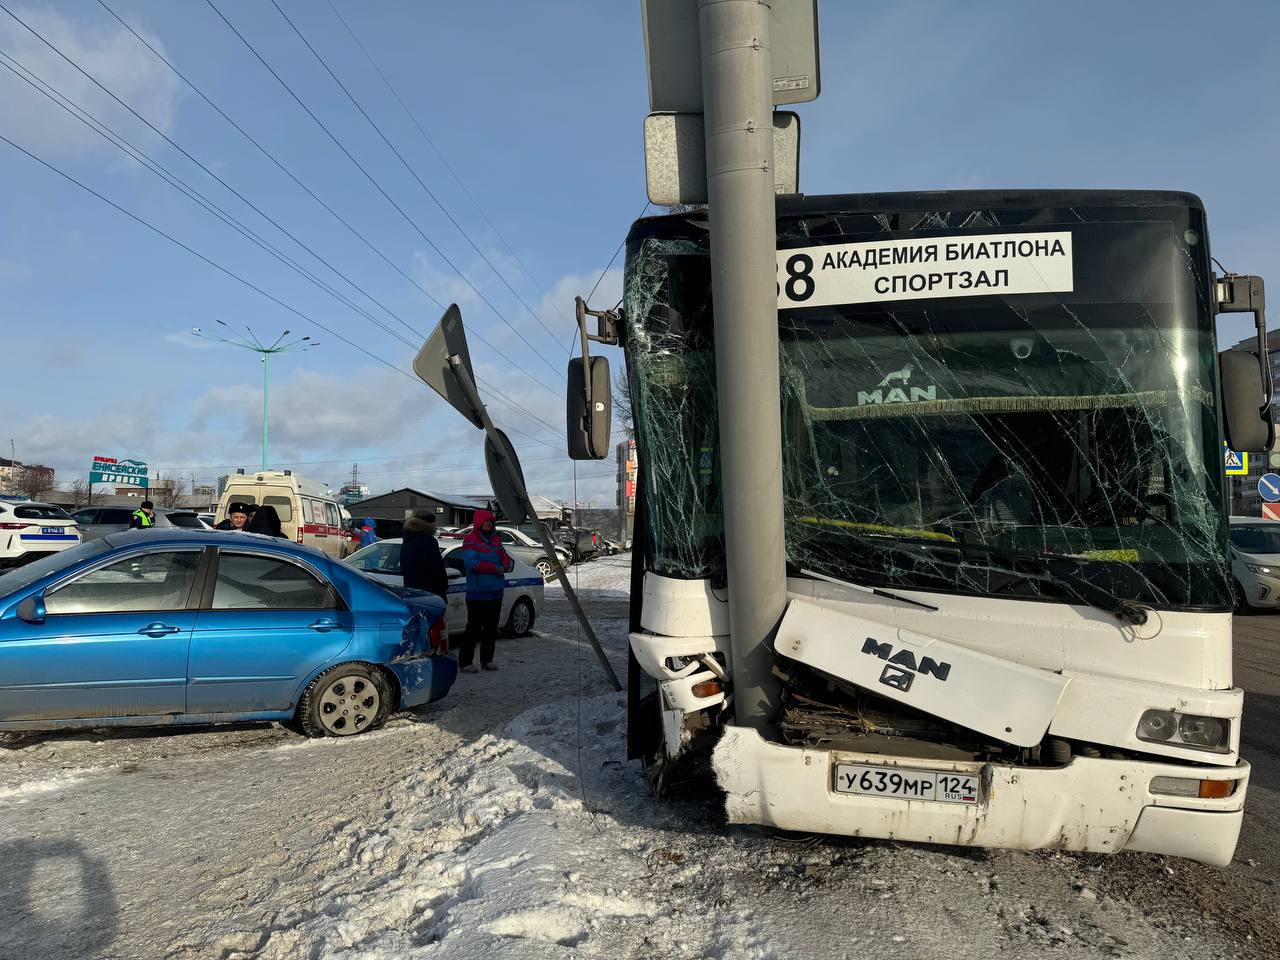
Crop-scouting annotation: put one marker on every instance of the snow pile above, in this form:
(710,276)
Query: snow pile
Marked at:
(496,854)
(608,578)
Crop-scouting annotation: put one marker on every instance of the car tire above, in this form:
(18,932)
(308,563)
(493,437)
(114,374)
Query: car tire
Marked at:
(520,619)
(1241,606)
(344,701)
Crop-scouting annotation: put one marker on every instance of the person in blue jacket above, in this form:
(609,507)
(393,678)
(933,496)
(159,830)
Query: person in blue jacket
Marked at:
(487,563)
(368,531)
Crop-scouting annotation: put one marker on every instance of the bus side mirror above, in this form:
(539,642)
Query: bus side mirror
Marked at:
(589,408)
(1247,420)
(1246,417)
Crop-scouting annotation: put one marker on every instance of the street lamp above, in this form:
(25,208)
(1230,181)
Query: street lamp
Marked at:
(249,341)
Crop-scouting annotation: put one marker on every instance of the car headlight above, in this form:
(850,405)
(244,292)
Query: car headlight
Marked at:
(1185,730)
(1258,567)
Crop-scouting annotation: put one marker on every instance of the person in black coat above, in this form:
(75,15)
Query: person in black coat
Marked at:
(420,562)
(266,521)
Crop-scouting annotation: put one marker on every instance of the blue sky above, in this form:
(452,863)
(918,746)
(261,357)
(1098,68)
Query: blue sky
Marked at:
(538,109)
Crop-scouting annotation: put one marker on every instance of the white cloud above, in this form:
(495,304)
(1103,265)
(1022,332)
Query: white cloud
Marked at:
(107,52)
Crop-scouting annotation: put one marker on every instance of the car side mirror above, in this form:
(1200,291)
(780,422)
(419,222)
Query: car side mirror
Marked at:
(31,610)
(1246,416)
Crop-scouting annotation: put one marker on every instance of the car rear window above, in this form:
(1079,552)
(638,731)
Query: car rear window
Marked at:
(115,516)
(35,511)
(188,520)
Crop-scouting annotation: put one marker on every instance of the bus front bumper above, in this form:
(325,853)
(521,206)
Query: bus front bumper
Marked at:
(1090,805)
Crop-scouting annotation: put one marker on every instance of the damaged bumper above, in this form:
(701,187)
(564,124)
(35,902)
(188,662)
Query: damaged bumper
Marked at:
(424,680)
(1090,805)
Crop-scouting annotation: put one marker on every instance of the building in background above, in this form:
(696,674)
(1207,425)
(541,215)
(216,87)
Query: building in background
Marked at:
(626,496)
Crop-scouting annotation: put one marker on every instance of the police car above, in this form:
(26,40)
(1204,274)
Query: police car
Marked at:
(30,529)
(521,597)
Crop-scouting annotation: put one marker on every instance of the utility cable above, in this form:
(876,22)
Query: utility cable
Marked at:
(386,196)
(224,270)
(436,150)
(413,173)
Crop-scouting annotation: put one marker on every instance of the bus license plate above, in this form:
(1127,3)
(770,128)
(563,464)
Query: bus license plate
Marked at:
(906,784)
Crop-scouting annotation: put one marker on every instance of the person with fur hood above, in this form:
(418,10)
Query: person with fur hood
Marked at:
(487,562)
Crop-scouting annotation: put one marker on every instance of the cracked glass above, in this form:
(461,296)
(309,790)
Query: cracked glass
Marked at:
(1017,444)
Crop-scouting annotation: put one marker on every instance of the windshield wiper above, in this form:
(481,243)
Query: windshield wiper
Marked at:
(1083,590)
(814,575)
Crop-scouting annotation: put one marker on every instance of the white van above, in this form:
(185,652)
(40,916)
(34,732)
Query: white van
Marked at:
(308,512)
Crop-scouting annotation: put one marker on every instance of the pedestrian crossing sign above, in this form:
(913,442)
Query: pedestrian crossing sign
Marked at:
(1235,461)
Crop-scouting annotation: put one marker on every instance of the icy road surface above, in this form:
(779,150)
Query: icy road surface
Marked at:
(505,822)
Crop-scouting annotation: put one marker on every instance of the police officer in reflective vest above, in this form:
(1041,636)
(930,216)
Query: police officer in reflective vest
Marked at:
(144,517)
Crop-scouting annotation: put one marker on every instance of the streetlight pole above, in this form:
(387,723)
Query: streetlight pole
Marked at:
(249,341)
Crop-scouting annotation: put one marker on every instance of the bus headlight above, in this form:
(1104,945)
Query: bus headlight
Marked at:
(1185,730)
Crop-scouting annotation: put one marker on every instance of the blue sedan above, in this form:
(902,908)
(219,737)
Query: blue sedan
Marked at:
(175,626)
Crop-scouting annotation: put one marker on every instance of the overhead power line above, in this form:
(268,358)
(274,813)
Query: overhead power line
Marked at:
(436,150)
(408,167)
(372,180)
(287,172)
(223,270)
(154,166)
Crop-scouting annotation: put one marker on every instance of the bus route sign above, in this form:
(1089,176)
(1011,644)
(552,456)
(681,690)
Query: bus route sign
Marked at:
(123,473)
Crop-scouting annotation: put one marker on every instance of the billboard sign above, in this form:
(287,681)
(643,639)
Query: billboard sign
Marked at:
(122,473)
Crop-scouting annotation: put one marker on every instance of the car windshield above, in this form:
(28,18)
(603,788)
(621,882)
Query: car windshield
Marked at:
(380,557)
(29,573)
(1256,538)
(1078,425)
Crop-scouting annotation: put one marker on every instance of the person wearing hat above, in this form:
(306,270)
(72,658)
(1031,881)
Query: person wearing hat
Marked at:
(144,517)
(237,516)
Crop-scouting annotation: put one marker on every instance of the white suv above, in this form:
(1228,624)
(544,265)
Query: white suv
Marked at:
(30,529)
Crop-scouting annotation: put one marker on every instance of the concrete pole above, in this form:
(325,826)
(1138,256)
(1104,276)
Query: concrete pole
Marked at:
(738,105)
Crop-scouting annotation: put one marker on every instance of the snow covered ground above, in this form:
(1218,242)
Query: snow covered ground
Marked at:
(506,822)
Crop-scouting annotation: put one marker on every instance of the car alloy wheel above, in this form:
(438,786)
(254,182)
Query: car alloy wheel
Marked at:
(520,621)
(544,567)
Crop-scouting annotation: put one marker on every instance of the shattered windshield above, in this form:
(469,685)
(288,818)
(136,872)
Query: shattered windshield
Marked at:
(934,429)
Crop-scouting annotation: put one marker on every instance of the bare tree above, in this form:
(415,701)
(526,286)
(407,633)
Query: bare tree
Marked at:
(165,491)
(622,403)
(83,493)
(35,481)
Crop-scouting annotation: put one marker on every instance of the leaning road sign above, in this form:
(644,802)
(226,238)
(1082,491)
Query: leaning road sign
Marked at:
(124,473)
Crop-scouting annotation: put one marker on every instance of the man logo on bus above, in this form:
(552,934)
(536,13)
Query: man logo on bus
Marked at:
(902,394)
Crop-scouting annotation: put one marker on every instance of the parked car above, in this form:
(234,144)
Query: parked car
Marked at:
(178,626)
(521,598)
(187,519)
(521,544)
(95,522)
(30,529)
(209,519)
(611,548)
(1255,563)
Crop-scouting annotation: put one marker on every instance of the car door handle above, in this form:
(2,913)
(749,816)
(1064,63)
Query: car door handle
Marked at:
(323,625)
(159,629)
